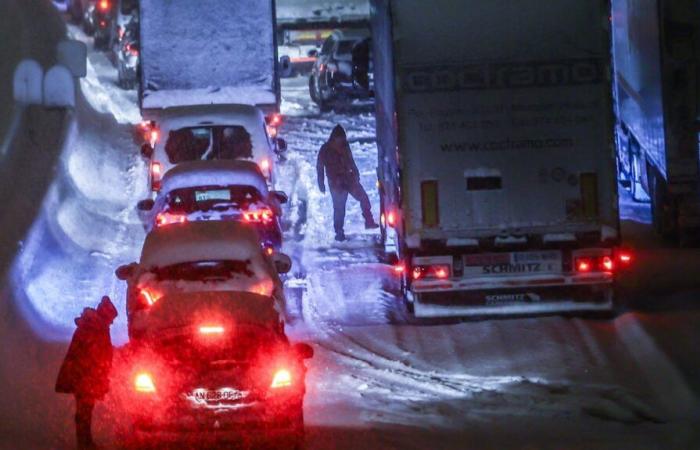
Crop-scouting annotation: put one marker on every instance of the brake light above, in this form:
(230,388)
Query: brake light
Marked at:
(439,271)
(583,265)
(165,218)
(104,5)
(148,296)
(156,175)
(417,273)
(144,383)
(154,135)
(399,268)
(260,215)
(625,257)
(103,24)
(607,263)
(282,378)
(211,329)
(269,251)
(391,219)
(275,120)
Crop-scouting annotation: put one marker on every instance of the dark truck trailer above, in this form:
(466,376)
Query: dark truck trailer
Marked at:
(656,50)
(496,165)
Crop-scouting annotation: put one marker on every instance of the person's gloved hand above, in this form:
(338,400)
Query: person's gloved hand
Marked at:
(322,188)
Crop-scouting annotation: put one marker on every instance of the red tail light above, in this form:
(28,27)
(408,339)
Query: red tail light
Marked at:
(399,268)
(260,215)
(583,265)
(143,382)
(607,263)
(391,219)
(625,257)
(147,297)
(265,167)
(274,120)
(135,52)
(282,378)
(165,218)
(269,251)
(154,134)
(439,271)
(156,175)
(103,5)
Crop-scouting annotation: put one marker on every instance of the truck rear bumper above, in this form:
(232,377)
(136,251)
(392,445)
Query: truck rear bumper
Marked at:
(514,295)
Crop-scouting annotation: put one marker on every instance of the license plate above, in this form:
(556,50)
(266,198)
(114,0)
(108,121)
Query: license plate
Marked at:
(223,395)
(515,263)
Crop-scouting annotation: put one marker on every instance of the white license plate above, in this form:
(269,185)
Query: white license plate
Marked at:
(515,263)
(224,395)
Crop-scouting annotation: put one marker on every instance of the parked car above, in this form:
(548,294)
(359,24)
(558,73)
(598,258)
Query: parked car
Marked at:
(210,368)
(217,190)
(100,17)
(210,132)
(219,257)
(342,71)
(125,12)
(127,53)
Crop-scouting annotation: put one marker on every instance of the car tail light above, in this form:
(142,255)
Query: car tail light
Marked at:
(583,265)
(103,24)
(265,167)
(391,219)
(103,5)
(607,263)
(211,329)
(625,257)
(143,382)
(135,52)
(154,134)
(439,271)
(165,218)
(399,268)
(148,298)
(429,203)
(274,120)
(156,175)
(282,378)
(259,216)
(269,251)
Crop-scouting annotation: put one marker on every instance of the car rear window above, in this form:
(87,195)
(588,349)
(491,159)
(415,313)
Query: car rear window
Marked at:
(189,200)
(203,270)
(213,142)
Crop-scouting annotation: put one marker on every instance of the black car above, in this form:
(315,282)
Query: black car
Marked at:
(101,15)
(342,71)
(225,373)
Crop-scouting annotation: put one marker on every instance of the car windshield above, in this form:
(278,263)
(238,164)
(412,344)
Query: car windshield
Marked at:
(203,270)
(211,142)
(189,200)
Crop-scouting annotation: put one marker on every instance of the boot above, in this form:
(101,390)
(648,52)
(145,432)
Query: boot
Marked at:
(340,236)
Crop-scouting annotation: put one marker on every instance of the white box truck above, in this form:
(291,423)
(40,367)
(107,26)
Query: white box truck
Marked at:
(656,51)
(496,167)
(208,52)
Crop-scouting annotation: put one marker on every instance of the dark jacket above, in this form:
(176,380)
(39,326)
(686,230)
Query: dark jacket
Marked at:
(338,164)
(85,369)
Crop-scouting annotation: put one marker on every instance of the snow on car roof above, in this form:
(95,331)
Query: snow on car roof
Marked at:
(214,173)
(202,241)
(206,115)
(208,308)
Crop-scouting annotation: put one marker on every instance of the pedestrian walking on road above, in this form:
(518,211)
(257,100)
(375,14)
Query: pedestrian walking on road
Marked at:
(85,369)
(336,161)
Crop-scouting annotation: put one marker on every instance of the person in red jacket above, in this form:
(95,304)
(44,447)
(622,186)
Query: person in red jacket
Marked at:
(85,369)
(336,162)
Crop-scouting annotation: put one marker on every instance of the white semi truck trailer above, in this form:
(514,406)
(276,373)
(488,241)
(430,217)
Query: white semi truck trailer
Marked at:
(496,165)
(656,51)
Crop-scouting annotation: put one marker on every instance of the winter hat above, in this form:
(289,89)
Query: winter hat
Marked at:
(106,309)
(338,131)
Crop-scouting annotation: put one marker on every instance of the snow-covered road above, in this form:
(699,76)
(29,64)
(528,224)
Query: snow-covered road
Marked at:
(379,379)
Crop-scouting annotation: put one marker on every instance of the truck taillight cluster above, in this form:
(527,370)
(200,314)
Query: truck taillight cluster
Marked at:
(437,271)
(603,263)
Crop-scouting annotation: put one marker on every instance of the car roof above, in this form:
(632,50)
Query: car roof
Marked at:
(214,173)
(201,241)
(210,115)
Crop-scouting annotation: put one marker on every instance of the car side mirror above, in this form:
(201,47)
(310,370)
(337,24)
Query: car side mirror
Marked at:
(145,205)
(146,150)
(283,263)
(304,350)
(280,196)
(126,271)
(281,145)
